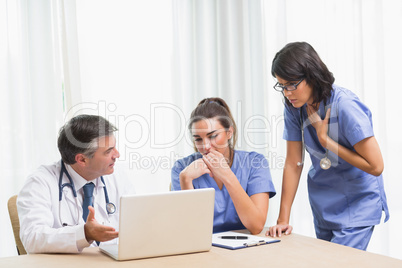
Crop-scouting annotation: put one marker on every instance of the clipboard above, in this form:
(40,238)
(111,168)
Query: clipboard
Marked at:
(244,241)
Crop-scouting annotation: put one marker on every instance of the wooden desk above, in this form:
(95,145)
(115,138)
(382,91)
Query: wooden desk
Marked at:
(293,251)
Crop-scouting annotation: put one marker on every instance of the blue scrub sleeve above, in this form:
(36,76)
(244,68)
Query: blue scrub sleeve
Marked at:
(292,130)
(260,180)
(175,180)
(355,121)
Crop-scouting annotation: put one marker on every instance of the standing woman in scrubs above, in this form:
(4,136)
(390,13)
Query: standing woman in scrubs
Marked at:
(345,184)
(242,180)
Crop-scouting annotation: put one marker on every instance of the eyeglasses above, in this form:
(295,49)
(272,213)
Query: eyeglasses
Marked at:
(291,87)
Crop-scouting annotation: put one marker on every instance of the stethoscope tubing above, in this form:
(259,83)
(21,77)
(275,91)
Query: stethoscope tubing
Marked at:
(110,207)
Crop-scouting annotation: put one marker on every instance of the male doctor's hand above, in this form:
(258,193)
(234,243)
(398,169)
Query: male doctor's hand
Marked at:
(98,232)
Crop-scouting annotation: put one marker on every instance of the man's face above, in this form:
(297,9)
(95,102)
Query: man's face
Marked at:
(102,163)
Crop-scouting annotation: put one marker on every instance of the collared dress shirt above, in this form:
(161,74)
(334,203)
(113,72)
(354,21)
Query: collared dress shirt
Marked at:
(42,215)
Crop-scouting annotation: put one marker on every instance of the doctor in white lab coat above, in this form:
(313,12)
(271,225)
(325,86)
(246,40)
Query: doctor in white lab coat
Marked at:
(87,146)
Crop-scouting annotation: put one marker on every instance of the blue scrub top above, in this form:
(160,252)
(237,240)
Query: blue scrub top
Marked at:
(342,196)
(252,171)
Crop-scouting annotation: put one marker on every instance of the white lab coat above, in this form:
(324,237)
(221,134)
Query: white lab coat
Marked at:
(41,230)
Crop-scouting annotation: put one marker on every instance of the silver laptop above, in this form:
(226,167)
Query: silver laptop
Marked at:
(153,225)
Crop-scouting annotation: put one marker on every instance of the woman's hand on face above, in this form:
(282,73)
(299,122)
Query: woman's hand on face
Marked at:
(217,164)
(279,229)
(321,126)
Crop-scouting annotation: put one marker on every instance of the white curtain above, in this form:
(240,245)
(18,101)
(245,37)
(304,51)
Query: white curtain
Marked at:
(144,65)
(219,50)
(31,94)
(124,52)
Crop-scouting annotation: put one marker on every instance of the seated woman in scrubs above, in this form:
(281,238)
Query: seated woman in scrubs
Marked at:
(242,180)
(345,184)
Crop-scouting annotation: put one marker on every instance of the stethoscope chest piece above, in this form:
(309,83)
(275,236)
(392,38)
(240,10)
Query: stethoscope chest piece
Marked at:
(325,163)
(111,208)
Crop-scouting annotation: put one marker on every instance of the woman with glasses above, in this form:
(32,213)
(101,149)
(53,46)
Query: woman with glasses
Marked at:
(345,184)
(242,180)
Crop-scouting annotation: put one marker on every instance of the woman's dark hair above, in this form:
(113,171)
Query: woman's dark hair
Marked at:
(215,108)
(80,136)
(299,60)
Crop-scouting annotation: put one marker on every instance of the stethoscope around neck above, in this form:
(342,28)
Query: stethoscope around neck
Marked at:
(325,162)
(110,207)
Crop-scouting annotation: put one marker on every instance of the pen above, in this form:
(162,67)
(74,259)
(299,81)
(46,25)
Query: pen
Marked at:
(233,237)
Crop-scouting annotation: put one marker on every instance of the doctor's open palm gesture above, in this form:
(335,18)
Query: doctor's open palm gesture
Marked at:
(98,232)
